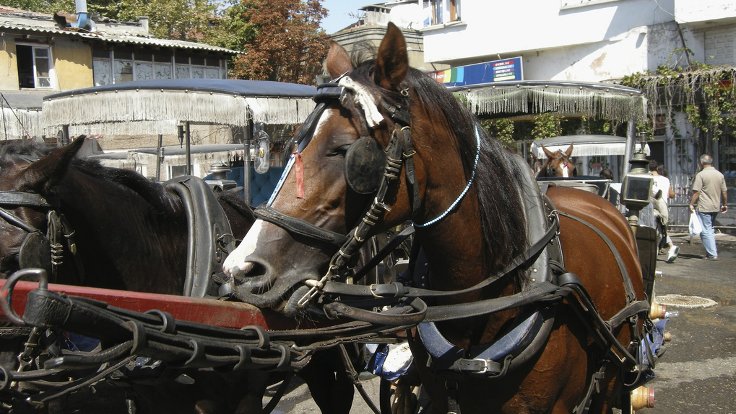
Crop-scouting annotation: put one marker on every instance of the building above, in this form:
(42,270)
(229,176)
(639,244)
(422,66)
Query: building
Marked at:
(365,35)
(42,54)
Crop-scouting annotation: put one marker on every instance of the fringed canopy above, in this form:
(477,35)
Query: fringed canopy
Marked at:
(156,107)
(584,145)
(20,123)
(593,100)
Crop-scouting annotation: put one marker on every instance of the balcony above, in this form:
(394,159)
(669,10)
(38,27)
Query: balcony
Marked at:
(697,13)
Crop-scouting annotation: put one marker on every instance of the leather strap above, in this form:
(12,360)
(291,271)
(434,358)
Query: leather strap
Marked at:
(299,226)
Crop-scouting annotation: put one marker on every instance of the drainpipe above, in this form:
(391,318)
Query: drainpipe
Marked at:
(83,20)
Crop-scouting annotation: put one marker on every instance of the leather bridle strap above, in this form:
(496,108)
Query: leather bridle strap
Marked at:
(399,290)
(22,199)
(299,226)
(16,221)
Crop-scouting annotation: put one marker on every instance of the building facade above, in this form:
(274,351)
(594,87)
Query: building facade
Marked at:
(39,55)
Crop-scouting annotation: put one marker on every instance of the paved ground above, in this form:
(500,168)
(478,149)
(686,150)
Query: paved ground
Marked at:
(697,374)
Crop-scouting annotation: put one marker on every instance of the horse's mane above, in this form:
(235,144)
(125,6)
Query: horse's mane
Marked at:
(151,192)
(501,208)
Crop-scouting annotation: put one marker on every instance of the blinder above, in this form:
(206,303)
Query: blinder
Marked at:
(365,162)
(35,251)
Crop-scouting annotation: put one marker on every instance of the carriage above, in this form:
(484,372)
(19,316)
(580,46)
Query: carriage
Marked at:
(541,299)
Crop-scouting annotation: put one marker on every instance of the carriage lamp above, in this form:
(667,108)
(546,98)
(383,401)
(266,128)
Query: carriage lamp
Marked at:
(636,187)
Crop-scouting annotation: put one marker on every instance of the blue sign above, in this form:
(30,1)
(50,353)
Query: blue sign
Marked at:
(486,72)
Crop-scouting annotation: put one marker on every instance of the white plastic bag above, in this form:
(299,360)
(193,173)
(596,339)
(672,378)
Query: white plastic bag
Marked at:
(695,227)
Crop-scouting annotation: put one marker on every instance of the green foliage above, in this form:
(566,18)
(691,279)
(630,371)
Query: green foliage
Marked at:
(704,93)
(42,6)
(500,128)
(546,125)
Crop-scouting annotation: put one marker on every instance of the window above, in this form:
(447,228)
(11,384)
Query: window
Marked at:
(34,66)
(124,64)
(441,11)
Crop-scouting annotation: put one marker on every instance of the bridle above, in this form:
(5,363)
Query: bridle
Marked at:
(40,250)
(365,160)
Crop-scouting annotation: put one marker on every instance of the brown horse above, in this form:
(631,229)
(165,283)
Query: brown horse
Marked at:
(473,206)
(558,164)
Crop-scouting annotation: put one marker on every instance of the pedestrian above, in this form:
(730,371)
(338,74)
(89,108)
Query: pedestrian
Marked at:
(662,191)
(709,198)
(613,189)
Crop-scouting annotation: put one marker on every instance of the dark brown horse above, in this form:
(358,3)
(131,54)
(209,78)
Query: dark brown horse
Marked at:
(558,164)
(129,233)
(473,205)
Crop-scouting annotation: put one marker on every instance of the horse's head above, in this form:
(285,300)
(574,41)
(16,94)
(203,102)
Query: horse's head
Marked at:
(559,163)
(27,170)
(381,142)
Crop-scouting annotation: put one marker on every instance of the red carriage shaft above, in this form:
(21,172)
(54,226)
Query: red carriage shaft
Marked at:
(205,311)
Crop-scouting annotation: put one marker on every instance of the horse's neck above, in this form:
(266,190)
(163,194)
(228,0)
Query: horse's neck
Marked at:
(115,231)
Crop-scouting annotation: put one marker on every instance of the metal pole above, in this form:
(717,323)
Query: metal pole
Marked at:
(159,156)
(189,149)
(630,141)
(247,137)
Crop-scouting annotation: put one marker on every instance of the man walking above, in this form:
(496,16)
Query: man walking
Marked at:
(662,192)
(711,197)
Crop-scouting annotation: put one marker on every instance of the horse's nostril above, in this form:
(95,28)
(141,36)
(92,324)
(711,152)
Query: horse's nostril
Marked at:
(249,270)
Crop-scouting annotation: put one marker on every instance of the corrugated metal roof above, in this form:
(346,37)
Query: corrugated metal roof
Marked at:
(14,19)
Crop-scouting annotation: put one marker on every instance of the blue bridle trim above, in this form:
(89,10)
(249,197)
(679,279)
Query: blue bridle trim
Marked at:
(462,194)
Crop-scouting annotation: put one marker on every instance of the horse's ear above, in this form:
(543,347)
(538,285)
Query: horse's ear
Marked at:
(338,61)
(392,62)
(568,151)
(50,169)
(548,153)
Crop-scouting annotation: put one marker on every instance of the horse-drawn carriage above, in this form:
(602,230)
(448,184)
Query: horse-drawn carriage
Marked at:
(514,300)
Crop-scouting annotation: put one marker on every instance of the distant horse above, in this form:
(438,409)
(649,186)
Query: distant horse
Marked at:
(387,144)
(558,164)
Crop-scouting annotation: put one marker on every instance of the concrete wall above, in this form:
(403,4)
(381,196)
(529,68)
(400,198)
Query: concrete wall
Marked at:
(487,31)
(73,64)
(8,64)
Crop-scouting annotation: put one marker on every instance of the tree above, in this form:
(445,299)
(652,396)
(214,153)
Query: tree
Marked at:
(284,41)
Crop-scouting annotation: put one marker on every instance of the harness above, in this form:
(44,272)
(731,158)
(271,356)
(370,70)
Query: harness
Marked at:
(39,250)
(551,283)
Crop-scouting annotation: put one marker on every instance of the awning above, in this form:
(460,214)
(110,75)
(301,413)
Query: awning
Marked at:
(584,145)
(597,100)
(157,106)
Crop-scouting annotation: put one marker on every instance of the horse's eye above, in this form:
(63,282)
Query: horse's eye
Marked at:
(339,151)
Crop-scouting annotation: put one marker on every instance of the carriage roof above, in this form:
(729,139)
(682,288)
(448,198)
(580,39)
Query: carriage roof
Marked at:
(598,100)
(156,106)
(584,145)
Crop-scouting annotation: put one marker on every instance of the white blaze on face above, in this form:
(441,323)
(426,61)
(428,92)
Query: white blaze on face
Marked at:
(565,170)
(235,264)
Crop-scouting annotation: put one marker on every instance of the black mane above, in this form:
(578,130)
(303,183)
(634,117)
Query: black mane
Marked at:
(151,192)
(502,215)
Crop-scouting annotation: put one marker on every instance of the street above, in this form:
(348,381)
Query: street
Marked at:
(697,373)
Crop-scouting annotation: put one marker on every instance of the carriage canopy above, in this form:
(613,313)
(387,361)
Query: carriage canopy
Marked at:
(157,106)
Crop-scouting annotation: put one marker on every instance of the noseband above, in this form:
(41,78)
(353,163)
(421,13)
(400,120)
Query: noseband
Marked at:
(38,250)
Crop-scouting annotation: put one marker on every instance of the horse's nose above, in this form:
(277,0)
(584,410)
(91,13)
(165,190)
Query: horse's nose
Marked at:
(237,270)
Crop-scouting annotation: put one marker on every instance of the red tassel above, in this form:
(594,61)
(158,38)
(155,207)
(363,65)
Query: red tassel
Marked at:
(299,171)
